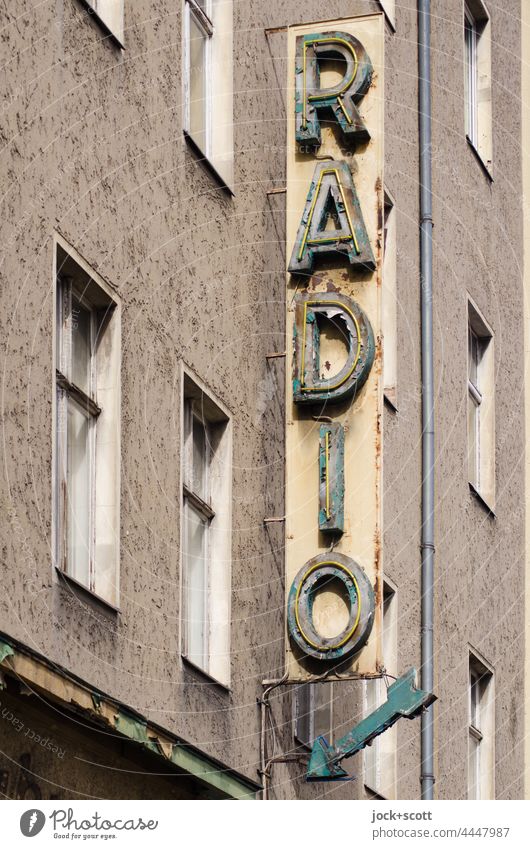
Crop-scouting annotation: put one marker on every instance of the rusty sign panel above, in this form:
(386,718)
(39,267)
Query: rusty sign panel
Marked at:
(334,386)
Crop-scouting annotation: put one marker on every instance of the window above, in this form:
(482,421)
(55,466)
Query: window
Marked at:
(380,757)
(110,13)
(87,382)
(389,8)
(390,303)
(481,764)
(480,408)
(313,712)
(208,83)
(477,69)
(206,537)
(471,79)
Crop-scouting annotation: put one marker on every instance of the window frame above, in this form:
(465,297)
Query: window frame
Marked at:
(389,9)
(203,19)
(390,301)
(68,392)
(200,503)
(475,398)
(380,779)
(74,280)
(305,708)
(199,404)
(216,152)
(477,57)
(116,34)
(481,729)
(471,37)
(480,407)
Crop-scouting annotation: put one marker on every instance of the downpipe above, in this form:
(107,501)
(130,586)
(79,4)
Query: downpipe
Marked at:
(427,507)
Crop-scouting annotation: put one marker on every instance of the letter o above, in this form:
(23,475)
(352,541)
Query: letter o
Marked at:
(311,580)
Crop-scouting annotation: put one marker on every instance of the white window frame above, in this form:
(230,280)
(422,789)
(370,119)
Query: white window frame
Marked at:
(477,80)
(475,348)
(111,18)
(390,301)
(67,392)
(380,758)
(100,403)
(213,505)
(215,18)
(471,71)
(389,8)
(313,712)
(201,504)
(203,19)
(480,406)
(481,729)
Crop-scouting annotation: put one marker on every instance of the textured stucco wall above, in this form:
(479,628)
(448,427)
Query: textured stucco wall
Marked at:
(525,44)
(478,251)
(92,147)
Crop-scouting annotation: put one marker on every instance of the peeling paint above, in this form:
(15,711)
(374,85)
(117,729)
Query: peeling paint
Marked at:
(309,385)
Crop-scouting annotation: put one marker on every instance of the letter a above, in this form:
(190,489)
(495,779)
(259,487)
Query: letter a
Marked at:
(332,199)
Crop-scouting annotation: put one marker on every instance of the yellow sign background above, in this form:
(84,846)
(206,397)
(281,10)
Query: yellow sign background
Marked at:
(362,418)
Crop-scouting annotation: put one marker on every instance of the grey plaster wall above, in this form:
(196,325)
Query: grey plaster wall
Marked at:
(478,252)
(92,147)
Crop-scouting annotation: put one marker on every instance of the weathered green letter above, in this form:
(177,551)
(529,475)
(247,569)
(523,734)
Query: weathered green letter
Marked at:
(338,103)
(332,198)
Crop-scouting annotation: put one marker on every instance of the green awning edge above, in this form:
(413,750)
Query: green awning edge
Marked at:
(200,768)
(136,728)
(185,758)
(6,650)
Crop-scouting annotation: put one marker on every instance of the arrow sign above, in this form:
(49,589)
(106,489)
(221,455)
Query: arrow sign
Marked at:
(403,699)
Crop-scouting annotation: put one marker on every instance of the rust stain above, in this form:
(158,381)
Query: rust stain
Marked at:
(380,224)
(377,586)
(378,358)
(314,281)
(330,286)
(380,215)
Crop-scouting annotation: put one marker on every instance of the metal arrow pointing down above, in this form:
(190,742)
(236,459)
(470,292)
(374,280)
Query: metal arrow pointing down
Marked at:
(403,700)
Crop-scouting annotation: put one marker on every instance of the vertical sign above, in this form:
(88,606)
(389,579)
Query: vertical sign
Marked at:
(334,387)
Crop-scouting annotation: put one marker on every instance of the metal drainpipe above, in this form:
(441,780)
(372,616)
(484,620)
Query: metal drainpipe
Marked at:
(426,272)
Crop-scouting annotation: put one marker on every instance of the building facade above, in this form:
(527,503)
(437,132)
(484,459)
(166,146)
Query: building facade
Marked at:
(143,332)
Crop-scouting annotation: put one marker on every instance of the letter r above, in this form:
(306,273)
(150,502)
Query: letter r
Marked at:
(338,103)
